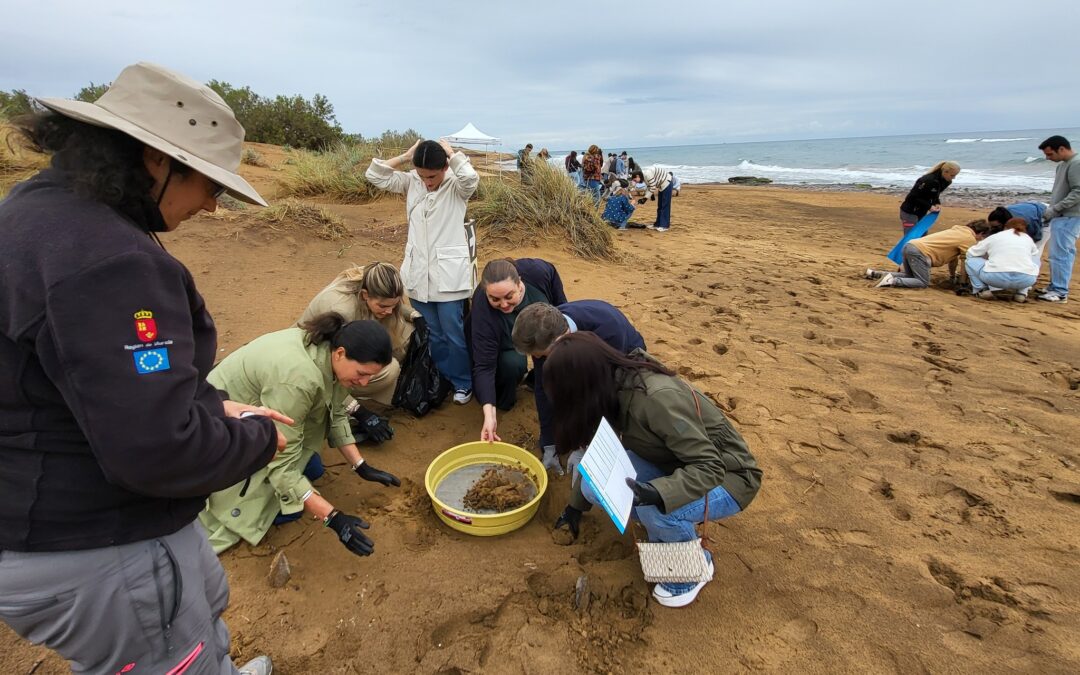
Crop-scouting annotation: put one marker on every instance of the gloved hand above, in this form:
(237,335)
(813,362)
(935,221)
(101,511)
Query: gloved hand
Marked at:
(348,529)
(645,494)
(551,460)
(371,426)
(642,200)
(420,324)
(571,465)
(570,517)
(368,472)
(652,197)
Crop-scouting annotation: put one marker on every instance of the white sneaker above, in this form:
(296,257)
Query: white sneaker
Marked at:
(885,281)
(260,665)
(1053,296)
(873,274)
(1020,297)
(661,229)
(462,396)
(666,598)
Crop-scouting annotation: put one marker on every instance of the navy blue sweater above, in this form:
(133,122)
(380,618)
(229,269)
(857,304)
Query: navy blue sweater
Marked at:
(109,432)
(610,325)
(485,327)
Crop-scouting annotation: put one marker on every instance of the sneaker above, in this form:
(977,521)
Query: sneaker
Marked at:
(260,665)
(873,274)
(679,595)
(650,227)
(1053,296)
(661,229)
(886,281)
(462,396)
(1020,297)
(985,294)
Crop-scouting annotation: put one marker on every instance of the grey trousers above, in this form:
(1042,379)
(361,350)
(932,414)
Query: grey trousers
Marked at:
(916,269)
(153,606)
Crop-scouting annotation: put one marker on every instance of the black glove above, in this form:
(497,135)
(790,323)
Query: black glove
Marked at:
(420,324)
(652,197)
(367,424)
(645,494)
(368,472)
(642,201)
(348,529)
(570,517)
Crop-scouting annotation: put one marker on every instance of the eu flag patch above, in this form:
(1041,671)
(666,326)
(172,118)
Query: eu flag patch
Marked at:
(151,360)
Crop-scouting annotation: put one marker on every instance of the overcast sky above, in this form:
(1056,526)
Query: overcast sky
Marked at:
(566,74)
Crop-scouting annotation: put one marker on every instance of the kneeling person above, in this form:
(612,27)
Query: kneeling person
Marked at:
(946,247)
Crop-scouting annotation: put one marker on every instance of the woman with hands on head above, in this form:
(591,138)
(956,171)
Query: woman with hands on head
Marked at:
(438,270)
(692,465)
(304,372)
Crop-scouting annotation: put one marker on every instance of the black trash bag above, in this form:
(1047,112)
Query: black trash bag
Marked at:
(421,387)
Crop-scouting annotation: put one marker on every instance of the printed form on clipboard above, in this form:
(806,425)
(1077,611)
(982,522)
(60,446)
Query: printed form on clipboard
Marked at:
(605,468)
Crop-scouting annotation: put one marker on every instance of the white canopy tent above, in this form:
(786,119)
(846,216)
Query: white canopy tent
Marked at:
(470,135)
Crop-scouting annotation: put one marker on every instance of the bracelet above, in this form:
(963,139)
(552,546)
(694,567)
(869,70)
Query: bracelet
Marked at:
(329,517)
(357,465)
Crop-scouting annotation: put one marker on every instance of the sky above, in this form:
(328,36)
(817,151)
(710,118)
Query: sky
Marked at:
(567,74)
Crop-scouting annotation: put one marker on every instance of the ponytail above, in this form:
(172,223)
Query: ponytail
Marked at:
(363,341)
(1017,225)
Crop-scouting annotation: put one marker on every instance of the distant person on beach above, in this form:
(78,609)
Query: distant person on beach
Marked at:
(1003,261)
(1039,231)
(506,288)
(692,465)
(592,168)
(304,372)
(373,292)
(618,209)
(439,269)
(573,168)
(946,247)
(925,196)
(111,438)
(543,155)
(620,166)
(658,183)
(676,185)
(1063,214)
(540,325)
(523,158)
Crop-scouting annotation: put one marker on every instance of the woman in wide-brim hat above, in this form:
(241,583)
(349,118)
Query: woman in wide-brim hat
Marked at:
(112,436)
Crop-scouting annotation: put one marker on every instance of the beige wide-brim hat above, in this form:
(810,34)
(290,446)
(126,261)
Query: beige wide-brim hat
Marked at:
(168,111)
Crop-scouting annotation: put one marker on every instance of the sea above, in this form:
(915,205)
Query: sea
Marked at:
(990,162)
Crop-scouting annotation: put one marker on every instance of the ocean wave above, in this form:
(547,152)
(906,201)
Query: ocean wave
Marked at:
(962,140)
(986,140)
(1029,160)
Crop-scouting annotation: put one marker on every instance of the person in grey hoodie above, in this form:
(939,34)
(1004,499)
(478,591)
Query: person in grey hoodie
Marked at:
(1063,214)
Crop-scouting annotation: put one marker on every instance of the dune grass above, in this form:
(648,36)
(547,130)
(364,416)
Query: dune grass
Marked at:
(17,162)
(546,207)
(336,175)
(292,213)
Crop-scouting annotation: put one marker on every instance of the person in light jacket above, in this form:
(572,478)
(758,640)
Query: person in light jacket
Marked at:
(658,183)
(692,465)
(439,272)
(1005,261)
(306,372)
(372,292)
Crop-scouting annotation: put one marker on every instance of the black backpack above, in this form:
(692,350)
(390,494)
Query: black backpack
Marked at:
(421,387)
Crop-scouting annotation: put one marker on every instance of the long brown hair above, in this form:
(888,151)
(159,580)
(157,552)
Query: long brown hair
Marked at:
(383,282)
(582,378)
(1017,225)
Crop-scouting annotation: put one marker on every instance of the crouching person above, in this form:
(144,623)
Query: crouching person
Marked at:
(946,247)
(1005,261)
(303,373)
(691,464)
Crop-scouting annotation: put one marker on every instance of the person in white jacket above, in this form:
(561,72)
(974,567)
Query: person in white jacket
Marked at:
(1003,260)
(439,272)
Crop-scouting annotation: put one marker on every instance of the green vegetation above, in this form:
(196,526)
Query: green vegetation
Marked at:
(283,120)
(337,174)
(14,103)
(294,213)
(251,156)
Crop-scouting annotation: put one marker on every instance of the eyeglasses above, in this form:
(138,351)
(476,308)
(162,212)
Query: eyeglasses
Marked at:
(217,191)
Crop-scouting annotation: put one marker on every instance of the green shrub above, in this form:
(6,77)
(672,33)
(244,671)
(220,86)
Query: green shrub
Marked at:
(252,157)
(92,92)
(548,207)
(14,103)
(283,120)
(336,175)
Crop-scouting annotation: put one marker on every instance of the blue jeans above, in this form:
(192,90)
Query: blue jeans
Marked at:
(446,324)
(314,470)
(663,207)
(621,224)
(1006,281)
(594,186)
(1063,234)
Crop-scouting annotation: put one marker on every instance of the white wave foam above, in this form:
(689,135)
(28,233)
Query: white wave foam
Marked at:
(962,140)
(1029,160)
(1004,140)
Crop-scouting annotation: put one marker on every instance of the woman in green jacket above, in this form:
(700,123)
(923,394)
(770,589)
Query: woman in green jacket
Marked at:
(691,464)
(374,292)
(304,373)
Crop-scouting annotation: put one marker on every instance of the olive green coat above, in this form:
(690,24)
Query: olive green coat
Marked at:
(659,422)
(279,371)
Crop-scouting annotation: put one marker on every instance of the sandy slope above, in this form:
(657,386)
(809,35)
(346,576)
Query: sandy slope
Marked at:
(921,502)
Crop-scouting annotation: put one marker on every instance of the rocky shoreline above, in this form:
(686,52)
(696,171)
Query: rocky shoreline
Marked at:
(966,197)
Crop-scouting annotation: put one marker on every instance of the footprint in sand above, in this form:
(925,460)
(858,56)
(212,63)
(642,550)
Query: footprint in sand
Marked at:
(826,537)
(720,349)
(958,506)
(777,649)
(884,490)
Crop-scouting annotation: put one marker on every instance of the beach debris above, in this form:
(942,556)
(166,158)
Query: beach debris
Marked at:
(749,180)
(909,437)
(581,594)
(499,488)
(280,572)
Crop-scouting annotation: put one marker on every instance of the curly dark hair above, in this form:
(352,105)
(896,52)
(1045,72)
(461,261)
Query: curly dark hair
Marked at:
(101,164)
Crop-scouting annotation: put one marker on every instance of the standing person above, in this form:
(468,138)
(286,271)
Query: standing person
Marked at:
(304,372)
(573,167)
(540,325)
(592,168)
(524,160)
(658,182)
(506,287)
(543,156)
(374,292)
(692,465)
(925,196)
(1063,214)
(112,438)
(438,270)
(620,166)
(1032,213)
(946,247)
(1004,261)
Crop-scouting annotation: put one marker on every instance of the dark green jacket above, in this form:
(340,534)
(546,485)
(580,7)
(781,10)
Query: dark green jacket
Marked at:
(659,422)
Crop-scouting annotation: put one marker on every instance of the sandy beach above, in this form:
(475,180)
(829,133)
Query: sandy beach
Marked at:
(920,511)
